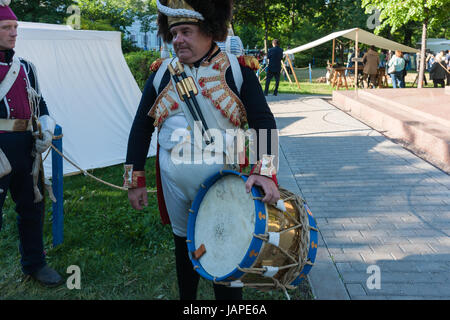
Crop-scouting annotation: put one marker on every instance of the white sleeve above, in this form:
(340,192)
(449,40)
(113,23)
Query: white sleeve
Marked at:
(47,123)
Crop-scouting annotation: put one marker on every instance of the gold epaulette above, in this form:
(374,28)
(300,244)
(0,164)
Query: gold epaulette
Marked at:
(249,61)
(156,64)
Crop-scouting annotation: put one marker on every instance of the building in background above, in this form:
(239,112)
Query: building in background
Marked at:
(436,45)
(145,41)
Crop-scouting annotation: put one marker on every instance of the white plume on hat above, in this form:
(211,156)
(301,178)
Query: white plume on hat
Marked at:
(183,13)
(5,3)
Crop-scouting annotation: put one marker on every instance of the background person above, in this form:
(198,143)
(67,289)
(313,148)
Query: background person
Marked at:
(447,63)
(275,57)
(21,147)
(438,72)
(396,68)
(371,61)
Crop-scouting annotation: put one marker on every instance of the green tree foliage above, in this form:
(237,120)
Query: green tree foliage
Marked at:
(296,22)
(103,15)
(264,14)
(119,13)
(46,11)
(396,14)
(147,15)
(431,14)
(139,64)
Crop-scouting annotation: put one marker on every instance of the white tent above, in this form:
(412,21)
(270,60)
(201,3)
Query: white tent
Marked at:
(89,91)
(363,37)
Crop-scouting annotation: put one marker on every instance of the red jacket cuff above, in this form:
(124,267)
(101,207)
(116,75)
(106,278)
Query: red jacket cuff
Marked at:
(133,179)
(260,170)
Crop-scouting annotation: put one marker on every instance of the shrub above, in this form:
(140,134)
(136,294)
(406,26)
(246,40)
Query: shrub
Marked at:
(139,64)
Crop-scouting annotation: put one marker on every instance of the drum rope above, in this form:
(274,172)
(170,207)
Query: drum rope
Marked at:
(290,229)
(263,270)
(259,271)
(288,254)
(279,285)
(263,237)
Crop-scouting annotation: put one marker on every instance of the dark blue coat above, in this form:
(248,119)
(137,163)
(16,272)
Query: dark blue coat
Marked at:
(275,55)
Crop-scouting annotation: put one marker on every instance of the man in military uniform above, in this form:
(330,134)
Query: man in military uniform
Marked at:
(228,94)
(21,143)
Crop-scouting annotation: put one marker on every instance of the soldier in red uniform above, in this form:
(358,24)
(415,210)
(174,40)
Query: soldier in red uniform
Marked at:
(20,145)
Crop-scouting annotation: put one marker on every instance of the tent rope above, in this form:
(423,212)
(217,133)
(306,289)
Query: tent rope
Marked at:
(87,173)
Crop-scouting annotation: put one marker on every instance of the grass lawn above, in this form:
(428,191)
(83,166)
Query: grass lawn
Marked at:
(306,88)
(122,253)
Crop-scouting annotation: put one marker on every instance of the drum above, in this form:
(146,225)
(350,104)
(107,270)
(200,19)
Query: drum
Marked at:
(235,239)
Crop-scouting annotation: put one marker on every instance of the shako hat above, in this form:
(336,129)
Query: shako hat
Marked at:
(5,11)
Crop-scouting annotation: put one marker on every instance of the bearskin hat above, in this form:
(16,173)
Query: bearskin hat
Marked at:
(215,17)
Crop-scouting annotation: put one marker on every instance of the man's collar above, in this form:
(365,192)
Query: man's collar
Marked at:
(213,51)
(6,55)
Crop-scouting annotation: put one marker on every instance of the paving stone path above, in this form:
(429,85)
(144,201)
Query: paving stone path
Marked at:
(378,206)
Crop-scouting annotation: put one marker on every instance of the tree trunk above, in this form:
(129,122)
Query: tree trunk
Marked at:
(423,58)
(266,33)
(409,30)
(293,16)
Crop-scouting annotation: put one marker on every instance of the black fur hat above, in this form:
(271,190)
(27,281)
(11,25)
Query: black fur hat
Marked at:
(217,15)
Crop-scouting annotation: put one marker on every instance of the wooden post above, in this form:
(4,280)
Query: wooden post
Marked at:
(57,185)
(287,73)
(334,49)
(293,71)
(356,59)
(310,73)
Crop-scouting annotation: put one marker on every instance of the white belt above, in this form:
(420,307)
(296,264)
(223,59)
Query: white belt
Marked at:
(15,125)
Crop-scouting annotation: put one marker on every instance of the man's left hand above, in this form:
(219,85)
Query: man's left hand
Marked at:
(272,195)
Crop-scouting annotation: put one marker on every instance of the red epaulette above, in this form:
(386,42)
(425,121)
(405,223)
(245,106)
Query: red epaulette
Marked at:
(249,61)
(156,64)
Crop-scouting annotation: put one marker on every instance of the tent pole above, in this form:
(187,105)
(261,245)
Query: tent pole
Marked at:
(356,59)
(334,49)
(287,73)
(293,71)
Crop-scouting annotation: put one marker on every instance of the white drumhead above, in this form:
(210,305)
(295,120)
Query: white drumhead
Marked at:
(225,224)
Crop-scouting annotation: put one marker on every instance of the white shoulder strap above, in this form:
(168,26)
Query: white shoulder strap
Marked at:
(10,77)
(228,44)
(236,69)
(160,74)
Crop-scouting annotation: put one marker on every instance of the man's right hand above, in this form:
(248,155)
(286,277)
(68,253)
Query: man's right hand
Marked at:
(138,198)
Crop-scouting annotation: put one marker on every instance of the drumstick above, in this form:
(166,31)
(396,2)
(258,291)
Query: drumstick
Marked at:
(185,94)
(194,100)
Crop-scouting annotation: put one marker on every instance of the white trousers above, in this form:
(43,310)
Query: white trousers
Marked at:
(180,184)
